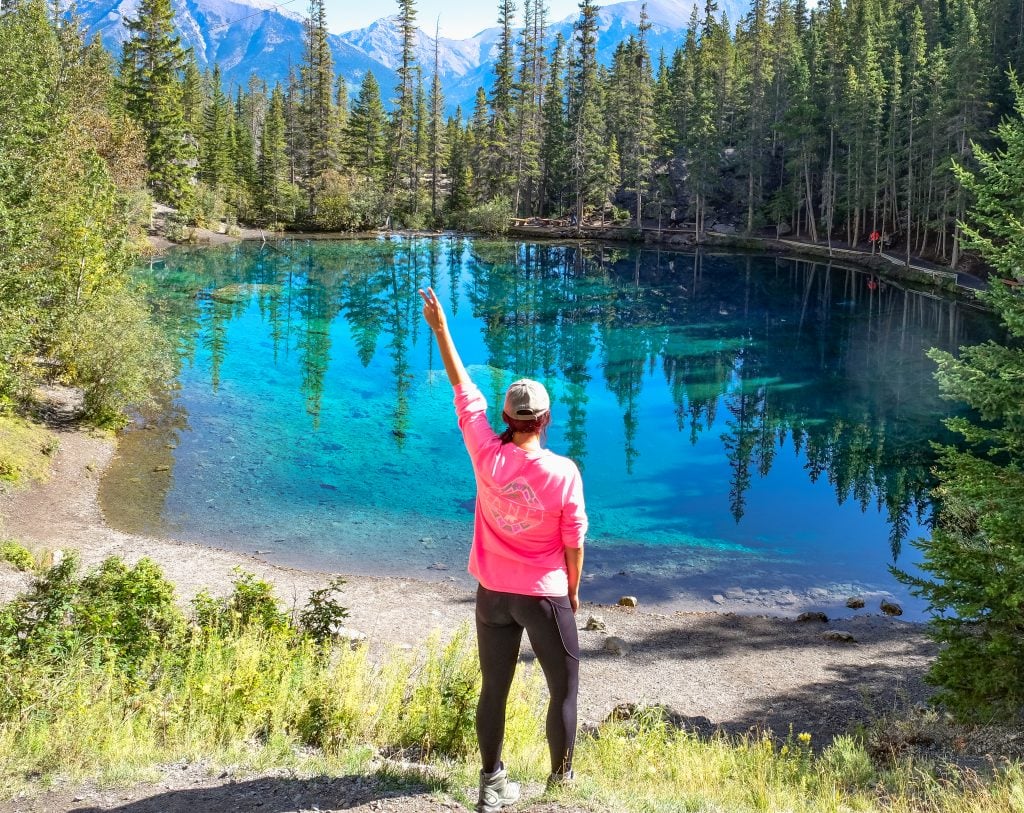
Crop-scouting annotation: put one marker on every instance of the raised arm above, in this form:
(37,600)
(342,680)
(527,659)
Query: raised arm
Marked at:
(434,314)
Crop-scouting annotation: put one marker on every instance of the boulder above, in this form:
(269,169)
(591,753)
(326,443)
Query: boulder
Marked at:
(855,602)
(804,618)
(718,598)
(595,623)
(735,593)
(840,636)
(616,646)
(628,601)
(353,636)
(891,608)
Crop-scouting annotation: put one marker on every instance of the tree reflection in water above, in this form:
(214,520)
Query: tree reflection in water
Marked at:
(776,356)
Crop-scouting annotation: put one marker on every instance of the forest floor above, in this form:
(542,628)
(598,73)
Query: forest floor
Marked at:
(713,669)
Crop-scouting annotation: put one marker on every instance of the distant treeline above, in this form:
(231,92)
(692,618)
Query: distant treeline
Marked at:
(830,123)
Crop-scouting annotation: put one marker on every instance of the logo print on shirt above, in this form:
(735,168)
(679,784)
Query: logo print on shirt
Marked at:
(515,508)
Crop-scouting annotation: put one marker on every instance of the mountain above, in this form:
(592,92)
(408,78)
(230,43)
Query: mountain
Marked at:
(259,37)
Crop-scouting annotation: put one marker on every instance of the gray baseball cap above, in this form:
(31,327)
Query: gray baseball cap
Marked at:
(526,400)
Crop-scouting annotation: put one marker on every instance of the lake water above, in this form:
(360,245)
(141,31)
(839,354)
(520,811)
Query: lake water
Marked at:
(742,422)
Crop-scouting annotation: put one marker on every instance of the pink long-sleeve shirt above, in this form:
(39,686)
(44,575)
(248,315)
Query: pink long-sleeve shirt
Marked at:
(529,507)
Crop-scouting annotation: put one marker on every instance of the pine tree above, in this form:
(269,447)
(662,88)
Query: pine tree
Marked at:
(586,116)
(319,118)
(504,64)
(554,152)
(976,551)
(151,67)
(437,132)
(366,134)
(215,148)
(480,147)
(192,93)
(404,112)
(756,54)
(529,96)
(460,193)
(273,185)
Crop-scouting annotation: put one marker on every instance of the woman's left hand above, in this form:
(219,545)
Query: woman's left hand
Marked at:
(432,310)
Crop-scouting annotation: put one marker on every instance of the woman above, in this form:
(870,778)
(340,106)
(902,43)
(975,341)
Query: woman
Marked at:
(527,554)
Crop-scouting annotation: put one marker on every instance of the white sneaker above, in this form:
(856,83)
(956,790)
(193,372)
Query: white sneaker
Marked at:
(496,792)
(557,780)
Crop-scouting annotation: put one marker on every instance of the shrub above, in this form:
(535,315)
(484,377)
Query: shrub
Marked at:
(16,554)
(25,449)
(488,218)
(620,215)
(116,354)
(126,613)
(128,610)
(322,613)
(847,762)
(251,603)
(347,202)
(439,716)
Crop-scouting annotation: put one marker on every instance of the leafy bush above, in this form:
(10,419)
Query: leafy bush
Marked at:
(209,208)
(347,202)
(16,554)
(116,354)
(488,218)
(251,603)
(126,613)
(620,215)
(128,610)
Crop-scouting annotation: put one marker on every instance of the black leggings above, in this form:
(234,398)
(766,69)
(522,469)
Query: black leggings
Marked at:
(551,625)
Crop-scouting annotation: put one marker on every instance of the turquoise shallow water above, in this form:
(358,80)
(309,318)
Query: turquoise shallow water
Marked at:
(741,421)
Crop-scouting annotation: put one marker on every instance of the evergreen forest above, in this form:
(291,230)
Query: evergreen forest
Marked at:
(828,123)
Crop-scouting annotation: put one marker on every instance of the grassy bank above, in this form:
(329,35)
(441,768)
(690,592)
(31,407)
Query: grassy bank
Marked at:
(26,450)
(103,678)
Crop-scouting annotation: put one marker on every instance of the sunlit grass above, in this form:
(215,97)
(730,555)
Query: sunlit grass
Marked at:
(26,449)
(257,700)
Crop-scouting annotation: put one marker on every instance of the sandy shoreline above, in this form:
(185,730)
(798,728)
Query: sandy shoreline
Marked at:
(714,668)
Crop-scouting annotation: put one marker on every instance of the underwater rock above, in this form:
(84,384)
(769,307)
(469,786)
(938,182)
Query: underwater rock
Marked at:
(628,601)
(855,602)
(803,618)
(891,608)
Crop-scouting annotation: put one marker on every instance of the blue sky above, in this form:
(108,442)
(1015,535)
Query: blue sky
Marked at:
(459,18)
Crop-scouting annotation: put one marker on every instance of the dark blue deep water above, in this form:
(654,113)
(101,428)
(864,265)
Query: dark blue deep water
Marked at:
(742,422)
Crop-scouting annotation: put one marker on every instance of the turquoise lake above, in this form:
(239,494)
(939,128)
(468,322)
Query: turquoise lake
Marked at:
(742,422)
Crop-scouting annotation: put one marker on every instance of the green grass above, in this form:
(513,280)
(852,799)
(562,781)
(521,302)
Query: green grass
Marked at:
(16,554)
(26,450)
(95,689)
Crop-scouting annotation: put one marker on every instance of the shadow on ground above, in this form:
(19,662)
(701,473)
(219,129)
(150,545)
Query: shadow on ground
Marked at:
(792,676)
(281,794)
